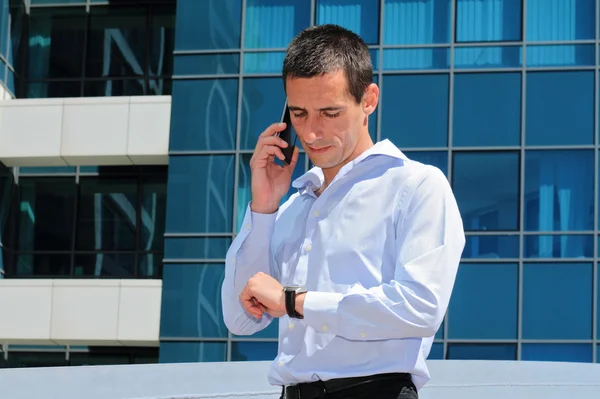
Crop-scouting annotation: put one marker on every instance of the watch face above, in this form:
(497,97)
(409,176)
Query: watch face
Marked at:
(293,288)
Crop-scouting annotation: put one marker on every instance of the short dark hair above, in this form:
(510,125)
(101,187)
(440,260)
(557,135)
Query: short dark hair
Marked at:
(328,48)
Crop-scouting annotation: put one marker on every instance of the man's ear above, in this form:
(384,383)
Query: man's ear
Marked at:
(370,99)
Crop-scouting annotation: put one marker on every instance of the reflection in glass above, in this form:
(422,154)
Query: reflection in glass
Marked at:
(549,315)
(488,57)
(488,20)
(487,109)
(116,42)
(105,265)
(207,64)
(153,213)
(203,187)
(482,351)
(190,352)
(191,301)
(107,214)
(415,110)
(561,55)
(204,114)
(197,247)
(55,36)
(360,16)
(46,213)
(274,23)
(114,87)
(161,40)
(53,89)
(580,353)
(43,264)
(416,22)
(208,24)
(560,108)
(262,105)
(263,62)
(560,20)
(489,290)
(253,351)
(558,246)
(559,194)
(491,247)
(486,185)
(415,58)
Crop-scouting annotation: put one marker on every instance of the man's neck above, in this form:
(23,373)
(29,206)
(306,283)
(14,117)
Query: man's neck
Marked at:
(330,173)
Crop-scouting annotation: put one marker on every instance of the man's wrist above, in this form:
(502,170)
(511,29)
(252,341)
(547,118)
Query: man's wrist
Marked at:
(300,303)
(264,209)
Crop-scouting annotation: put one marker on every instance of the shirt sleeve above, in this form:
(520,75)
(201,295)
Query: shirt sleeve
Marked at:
(429,241)
(249,253)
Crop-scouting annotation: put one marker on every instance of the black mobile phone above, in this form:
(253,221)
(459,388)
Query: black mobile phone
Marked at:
(286,135)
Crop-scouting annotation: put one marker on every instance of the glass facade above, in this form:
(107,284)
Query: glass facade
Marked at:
(499,94)
(86,222)
(95,48)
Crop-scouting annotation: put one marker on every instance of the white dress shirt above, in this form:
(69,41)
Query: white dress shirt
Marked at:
(378,252)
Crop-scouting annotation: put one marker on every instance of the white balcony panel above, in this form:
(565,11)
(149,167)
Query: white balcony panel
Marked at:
(30,132)
(80,312)
(85,131)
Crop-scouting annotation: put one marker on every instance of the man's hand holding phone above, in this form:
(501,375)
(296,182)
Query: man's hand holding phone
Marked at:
(270,181)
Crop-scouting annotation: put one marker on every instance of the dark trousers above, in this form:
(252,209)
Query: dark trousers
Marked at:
(376,387)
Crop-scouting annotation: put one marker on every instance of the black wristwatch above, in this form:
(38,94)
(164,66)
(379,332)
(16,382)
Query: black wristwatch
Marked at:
(291,291)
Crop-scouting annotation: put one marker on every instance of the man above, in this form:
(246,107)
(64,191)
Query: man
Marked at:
(360,263)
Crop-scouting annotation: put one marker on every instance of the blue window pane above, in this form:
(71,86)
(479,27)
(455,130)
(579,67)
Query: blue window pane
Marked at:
(35,170)
(439,159)
(244,190)
(207,28)
(487,109)
(191,352)
(560,20)
(558,352)
(488,57)
(35,2)
(416,58)
(197,248)
(191,301)
(416,22)
(263,62)
(486,186)
(360,16)
(491,247)
(440,332)
(374,58)
(598,310)
(415,110)
(274,23)
(557,301)
(200,194)
(200,109)
(559,190)
(482,351)
(490,291)
(206,64)
(253,351)
(488,20)
(561,55)
(262,105)
(558,246)
(437,352)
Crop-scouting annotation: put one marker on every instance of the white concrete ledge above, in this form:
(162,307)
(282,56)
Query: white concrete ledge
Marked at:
(451,379)
(80,312)
(85,131)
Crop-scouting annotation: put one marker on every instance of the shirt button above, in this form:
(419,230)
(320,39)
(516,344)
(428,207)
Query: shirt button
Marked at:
(363,334)
(232,261)
(316,213)
(281,363)
(291,326)
(308,247)
(324,327)
(248,226)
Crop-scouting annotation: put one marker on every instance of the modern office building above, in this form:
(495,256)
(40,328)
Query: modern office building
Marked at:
(127,127)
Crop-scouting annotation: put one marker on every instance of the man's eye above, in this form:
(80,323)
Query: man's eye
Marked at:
(298,115)
(332,115)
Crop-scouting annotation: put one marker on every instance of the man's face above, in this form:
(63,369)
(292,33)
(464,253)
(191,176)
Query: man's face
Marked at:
(329,123)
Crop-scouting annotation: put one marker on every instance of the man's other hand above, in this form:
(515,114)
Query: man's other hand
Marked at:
(262,294)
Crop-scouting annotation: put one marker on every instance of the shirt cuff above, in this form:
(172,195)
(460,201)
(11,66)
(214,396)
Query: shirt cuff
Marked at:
(320,311)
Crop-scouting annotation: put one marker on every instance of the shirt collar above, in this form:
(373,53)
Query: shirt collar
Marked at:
(314,178)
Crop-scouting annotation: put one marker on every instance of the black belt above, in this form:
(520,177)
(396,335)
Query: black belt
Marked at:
(318,389)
